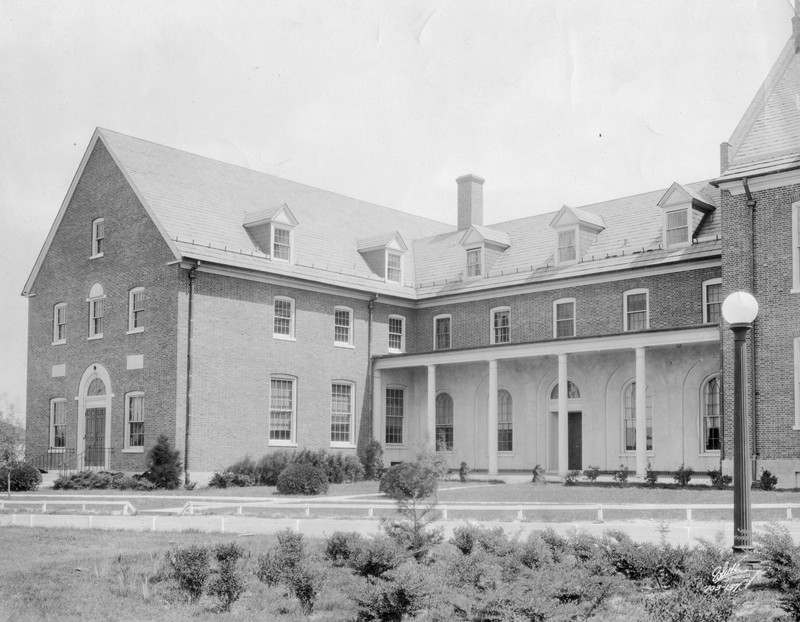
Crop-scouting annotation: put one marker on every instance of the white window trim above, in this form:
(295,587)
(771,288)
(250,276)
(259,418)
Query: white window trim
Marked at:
(126,447)
(577,232)
(404,389)
(131,329)
(632,452)
(562,301)
(351,443)
(51,449)
(349,343)
(441,317)
(504,452)
(56,307)
(796,425)
(91,300)
(292,441)
(402,335)
(96,222)
(492,334)
(481,264)
(688,210)
(701,419)
(272,231)
(795,248)
(291,335)
(717,281)
(633,292)
(399,281)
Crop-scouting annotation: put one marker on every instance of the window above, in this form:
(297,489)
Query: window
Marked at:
(564,318)
(566,246)
(60,323)
(397,339)
(98,237)
(636,311)
(134,421)
(394,416)
(441,332)
(500,325)
(712,441)
(281,244)
(283,320)
(796,247)
(394,267)
(797,383)
(474,262)
(58,424)
(136,310)
(505,421)
(712,301)
(573,393)
(281,411)
(342,329)
(342,413)
(444,422)
(629,418)
(95,300)
(677,227)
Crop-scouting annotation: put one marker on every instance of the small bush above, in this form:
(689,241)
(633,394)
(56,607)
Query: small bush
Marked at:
(229,583)
(650,476)
(277,565)
(558,545)
(339,547)
(269,568)
(591,473)
(781,563)
(571,478)
(407,592)
(305,582)
(535,553)
(124,482)
(190,568)
(463,472)
(470,537)
(375,556)
(683,475)
(718,480)
(372,460)
(164,464)
(271,466)
(537,475)
(688,604)
(409,480)
(229,479)
(302,479)
(434,461)
(24,476)
(621,475)
(767,481)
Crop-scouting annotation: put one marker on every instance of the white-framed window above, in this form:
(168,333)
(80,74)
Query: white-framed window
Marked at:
(629,418)
(567,246)
(677,227)
(444,422)
(441,332)
(281,244)
(394,267)
(136,310)
(96,302)
(397,333)
(395,410)
(564,317)
(710,416)
(283,318)
(98,237)
(60,323)
(505,421)
(796,247)
(474,262)
(342,428)
(343,326)
(501,324)
(637,311)
(712,301)
(797,383)
(58,424)
(134,421)
(282,411)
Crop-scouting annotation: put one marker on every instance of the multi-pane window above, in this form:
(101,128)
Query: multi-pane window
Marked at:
(341,413)
(95,300)
(396,340)
(636,310)
(394,416)
(394,267)
(134,420)
(712,441)
(281,409)
(58,424)
(677,227)
(444,422)
(564,318)
(281,244)
(474,262)
(629,418)
(98,237)
(283,321)
(505,421)
(342,329)
(441,327)
(573,393)
(500,325)
(566,246)
(60,323)
(136,310)
(712,301)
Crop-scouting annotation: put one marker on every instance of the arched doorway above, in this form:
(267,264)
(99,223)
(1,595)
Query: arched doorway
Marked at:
(574,427)
(94,418)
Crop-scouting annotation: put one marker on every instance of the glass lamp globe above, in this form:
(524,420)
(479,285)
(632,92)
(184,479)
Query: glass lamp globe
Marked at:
(740,308)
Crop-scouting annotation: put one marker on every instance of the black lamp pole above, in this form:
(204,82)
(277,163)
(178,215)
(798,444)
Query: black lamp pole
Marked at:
(742,522)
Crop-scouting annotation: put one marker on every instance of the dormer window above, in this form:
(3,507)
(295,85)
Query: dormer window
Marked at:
(677,227)
(474,256)
(684,213)
(566,246)
(281,244)
(272,232)
(394,267)
(576,230)
(483,247)
(383,255)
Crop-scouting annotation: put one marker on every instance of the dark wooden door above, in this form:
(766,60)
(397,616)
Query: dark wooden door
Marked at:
(95,437)
(575,441)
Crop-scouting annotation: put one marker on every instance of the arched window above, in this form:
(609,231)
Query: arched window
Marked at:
(629,418)
(444,422)
(711,415)
(96,387)
(573,393)
(505,421)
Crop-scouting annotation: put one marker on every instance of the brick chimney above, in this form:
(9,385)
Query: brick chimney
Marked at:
(470,201)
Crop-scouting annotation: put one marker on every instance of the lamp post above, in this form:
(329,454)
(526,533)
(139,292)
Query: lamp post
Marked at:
(739,310)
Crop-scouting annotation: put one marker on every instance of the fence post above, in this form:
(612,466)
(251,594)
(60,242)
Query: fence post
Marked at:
(90,521)
(308,511)
(153,527)
(44,508)
(788,513)
(520,515)
(222,524)
(370,513)
(688,514)
(297,526)
(444,512)
(599,513)
(239,510)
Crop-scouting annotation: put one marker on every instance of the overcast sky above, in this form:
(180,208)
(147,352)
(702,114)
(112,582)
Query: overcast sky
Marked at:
(552,102)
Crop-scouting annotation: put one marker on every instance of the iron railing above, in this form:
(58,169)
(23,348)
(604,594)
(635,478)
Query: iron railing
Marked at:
(92,459)
(52,460)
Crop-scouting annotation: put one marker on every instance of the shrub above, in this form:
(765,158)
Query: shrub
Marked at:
(372,460)
(245,466)
(302,479)
(434,461)
(164,464)
(271,466)
(23,476)
(781,564)
(687,604)
(407,592)
(190,568)
(375,556)
(339,547)
(269,569)
(342,469)
(98,480)
(650,476)
(683,475)
(124,482)
(767,481)
(718,480)
(558,545)
(571,478)
(468,538)
(277,565)
(535,553)
(229,479)
(592,473)
(229,583)
(305,583)
(621,475)
(409,480)
(537,475)
(463,472)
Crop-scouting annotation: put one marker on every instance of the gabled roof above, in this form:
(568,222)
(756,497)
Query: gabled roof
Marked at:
(391,240)
(478,234)
(279,214)
(572,215)
(676,194)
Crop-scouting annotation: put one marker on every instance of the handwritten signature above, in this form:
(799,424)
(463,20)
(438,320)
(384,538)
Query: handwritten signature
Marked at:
(730,578)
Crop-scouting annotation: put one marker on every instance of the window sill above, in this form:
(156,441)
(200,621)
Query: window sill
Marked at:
(796,428)
(632,454)
(59,343)
(795,290)
(348,346)
(135,331)
(343,445)
(283,338)
(133,450)
(273,443)
(95,256)
(391,351)
(93,337)
(395,446)
(709,454)
(56,450)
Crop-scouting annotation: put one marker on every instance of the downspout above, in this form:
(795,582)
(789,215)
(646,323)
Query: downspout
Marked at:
(751,203)
(192,277)
(368,388)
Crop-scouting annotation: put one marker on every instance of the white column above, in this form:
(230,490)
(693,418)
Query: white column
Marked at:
(491,420)
(563,415)
(641,414)
(377,407)
(431,422)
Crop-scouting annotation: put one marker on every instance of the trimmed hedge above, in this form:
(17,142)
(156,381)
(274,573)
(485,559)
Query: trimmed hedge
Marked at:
(24,476)
(338,468)
(102,480)
(302,479)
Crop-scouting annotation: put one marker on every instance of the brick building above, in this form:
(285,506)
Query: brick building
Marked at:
(239,313)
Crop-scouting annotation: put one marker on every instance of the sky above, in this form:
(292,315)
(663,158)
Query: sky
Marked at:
(553,103)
